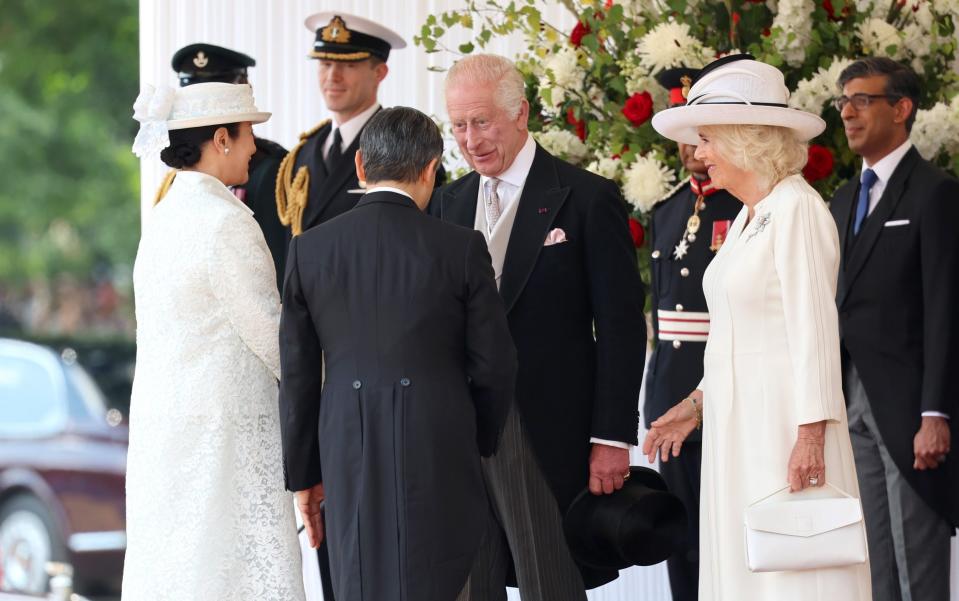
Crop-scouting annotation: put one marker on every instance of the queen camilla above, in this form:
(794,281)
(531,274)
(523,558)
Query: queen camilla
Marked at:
(770,403)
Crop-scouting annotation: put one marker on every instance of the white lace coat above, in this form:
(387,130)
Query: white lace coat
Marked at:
(207,515)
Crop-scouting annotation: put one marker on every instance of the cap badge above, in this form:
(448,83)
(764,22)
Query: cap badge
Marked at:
(201,60)
(687,83)
(336,31)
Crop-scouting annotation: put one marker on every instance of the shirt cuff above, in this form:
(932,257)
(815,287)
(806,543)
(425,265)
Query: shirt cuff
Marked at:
(611,443)
(934,414)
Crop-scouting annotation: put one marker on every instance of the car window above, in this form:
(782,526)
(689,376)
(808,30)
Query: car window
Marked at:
(89,392)
(30,399)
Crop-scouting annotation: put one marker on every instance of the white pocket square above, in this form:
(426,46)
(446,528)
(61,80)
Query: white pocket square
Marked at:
(556,236)
(896,223)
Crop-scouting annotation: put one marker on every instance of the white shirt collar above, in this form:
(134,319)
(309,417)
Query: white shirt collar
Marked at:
(351,129)
(885,166)
(389,189)
(516,174)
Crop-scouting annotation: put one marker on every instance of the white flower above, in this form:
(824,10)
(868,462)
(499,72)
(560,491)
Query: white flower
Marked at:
(812,94)
(670,45)
(561,72)
(877,36)
(646,181)
(605,166)
(795,24)
(563,144)
(864,6)
(933,129)
(948,7)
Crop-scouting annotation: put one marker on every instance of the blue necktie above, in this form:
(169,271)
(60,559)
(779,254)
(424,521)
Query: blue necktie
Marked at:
(867,180)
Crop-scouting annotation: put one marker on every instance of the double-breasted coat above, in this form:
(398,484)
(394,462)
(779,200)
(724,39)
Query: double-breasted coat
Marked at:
(402,312)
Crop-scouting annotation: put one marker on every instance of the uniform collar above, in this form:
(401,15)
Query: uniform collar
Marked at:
(352,128)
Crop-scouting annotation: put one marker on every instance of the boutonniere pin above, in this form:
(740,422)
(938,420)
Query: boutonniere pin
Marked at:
(761,222)
(542,210)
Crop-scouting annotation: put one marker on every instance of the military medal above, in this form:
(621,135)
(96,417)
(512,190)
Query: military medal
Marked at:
(720,231)
(701,190)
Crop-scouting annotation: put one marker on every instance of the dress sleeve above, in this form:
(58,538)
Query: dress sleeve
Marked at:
(244,284)
(806,251)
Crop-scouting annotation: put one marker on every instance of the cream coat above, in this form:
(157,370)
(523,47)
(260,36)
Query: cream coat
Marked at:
(207,514)
(771,364)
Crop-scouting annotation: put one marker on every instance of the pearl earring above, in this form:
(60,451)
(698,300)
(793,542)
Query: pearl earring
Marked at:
(226,151)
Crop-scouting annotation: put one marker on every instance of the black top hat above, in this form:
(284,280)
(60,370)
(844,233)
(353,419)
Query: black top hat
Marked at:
(677,81)
(344,37)
(201,63)
(640,524)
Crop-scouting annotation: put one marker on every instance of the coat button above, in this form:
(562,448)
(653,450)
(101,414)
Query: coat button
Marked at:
(679,307)
(677,344)
(684,272)
(405,382)
(356,384)
(655,254)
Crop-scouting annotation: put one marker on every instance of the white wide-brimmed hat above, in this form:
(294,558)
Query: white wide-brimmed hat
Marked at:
(161,109)
(736,90)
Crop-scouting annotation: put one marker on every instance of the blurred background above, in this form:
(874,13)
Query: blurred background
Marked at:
(67,240)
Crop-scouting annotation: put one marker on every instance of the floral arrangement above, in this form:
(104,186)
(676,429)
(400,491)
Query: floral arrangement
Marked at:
(592,90)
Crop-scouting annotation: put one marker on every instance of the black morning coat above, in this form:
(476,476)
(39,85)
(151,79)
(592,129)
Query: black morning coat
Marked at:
(575,310)
(676,369)
(898,299)
(401,311)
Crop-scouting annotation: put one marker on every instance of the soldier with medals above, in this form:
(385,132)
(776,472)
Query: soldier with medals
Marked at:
(686,230)
(199,63)
(318,179)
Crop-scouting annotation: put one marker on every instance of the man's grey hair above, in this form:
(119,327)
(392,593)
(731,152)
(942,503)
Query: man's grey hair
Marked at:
(491,69)
(398,143)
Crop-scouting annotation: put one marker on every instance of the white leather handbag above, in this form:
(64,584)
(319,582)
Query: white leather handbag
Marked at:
(810,529)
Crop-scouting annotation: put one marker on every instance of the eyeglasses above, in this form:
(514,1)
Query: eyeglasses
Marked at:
(861,101)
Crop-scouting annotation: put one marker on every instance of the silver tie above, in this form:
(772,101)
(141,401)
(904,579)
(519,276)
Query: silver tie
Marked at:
(492,205)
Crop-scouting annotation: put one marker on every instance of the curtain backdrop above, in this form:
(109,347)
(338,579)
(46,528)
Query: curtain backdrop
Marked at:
(284,82)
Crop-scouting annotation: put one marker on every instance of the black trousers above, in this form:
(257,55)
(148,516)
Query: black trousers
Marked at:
(682,477)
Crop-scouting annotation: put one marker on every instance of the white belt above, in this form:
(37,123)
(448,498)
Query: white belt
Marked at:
(683,325)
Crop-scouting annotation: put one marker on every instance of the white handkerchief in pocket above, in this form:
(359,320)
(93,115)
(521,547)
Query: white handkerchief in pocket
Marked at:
(896,223)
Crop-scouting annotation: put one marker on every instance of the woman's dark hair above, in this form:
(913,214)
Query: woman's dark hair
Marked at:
(186,144)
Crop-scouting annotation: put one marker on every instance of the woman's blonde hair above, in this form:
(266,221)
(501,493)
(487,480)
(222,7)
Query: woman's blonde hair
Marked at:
(771,152)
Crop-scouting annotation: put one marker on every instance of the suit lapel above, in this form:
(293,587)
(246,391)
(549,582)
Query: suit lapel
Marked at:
(842,206)
(458,203)
(876,221)
(541,200)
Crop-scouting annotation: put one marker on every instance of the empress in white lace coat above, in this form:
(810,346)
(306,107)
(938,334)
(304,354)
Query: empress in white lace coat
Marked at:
(208,518)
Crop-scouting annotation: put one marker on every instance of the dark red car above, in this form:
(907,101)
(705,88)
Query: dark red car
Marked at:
(62,466)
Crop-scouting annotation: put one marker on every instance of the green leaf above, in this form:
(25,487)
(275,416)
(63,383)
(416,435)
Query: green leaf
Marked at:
(466,48)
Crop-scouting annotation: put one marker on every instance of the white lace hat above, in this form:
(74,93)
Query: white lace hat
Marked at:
(736,90)
(164,108)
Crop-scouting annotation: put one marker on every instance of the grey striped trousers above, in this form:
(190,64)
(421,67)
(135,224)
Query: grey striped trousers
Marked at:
(525,523)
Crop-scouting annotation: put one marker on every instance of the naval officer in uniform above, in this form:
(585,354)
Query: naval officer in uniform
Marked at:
(200,63)
(686,230)
(318,178)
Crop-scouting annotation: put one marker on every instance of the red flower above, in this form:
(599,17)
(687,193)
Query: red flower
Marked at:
(766,32)
(576,37)
(819,165)
(637,232)
(831,12)
(609,4)
(639,108)
(579,124)
(737,17)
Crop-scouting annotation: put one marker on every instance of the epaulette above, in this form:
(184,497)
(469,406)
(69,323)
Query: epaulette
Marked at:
(669,194)
(292,192)
(164,186)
